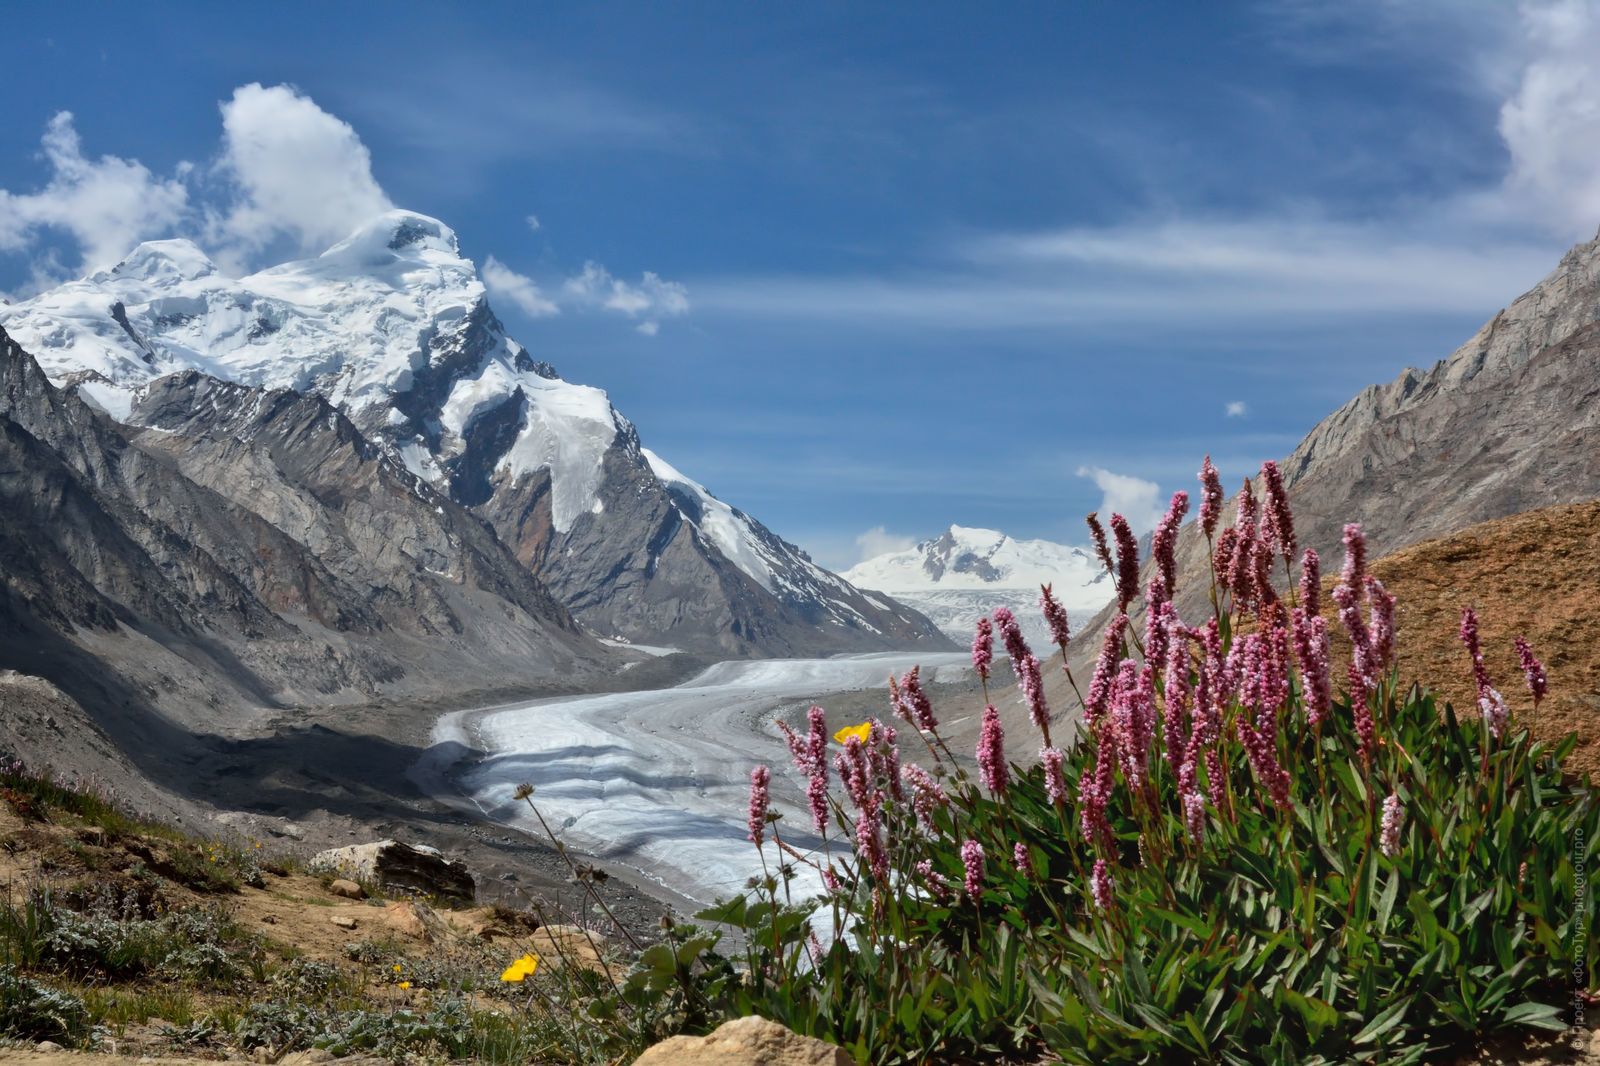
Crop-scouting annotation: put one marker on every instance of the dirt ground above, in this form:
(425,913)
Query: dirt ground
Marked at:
(1534,575)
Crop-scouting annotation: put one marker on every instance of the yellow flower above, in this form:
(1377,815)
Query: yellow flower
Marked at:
(404,984)
(860,732)
(397,967)
(522,968)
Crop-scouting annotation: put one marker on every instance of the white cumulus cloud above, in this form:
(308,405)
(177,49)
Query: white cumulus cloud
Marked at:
(106,205)
(651,300)
(1551,122)
(521,290)
(879,541)
(1236,409)
(1134,498)
(299,172)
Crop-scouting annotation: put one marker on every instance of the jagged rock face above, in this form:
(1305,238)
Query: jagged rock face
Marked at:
(1508,423)
(294,566)
(391,326)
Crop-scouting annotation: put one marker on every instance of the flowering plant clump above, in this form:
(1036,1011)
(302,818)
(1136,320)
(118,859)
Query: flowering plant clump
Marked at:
(1251,850)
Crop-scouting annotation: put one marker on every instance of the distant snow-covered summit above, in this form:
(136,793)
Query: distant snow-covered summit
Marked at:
(965,573)
(393,326)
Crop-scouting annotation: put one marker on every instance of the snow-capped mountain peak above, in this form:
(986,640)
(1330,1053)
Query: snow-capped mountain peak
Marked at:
(972,558)
(965,572)
(392,325)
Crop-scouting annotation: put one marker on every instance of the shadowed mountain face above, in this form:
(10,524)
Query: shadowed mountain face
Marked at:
(253,551)
(391,329)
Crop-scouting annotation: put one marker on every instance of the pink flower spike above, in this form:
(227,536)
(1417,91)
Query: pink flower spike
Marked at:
(1164,541)
(760,777)
(992,770)
(983,648)
(1097,533)
(1127,561)
(1101,885)
(1382,613)
(918,708)
(1311,582)
(1023,859)
(1532,670)
(1098,700)
(1055,782)
(1355,556)
(1055,617)
(972,858)
(1389,827)
(1278,518)
(1010,634)
(1210,498)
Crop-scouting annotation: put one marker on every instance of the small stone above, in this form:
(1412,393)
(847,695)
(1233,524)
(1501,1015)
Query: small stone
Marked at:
(309,1057)
(269,919)
(744,1041)
(343,922)
(415,920)
(262,1055)
(348,889)
(48,1045)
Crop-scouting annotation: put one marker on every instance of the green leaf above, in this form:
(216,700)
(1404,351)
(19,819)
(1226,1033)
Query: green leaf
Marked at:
(1535,1015)
(1386,1020)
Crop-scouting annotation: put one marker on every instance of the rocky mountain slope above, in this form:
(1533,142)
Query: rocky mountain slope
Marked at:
(392,328)
(316,571)
(1508,423)
(965,573)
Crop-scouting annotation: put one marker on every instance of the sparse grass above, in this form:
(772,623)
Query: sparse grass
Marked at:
(119,1007)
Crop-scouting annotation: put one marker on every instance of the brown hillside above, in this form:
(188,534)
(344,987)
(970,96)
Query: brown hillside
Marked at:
(1535,575)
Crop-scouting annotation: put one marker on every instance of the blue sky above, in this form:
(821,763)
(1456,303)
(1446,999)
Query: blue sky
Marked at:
(994,265)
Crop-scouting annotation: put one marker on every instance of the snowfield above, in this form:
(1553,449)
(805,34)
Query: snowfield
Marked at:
(965,573)
(659,780)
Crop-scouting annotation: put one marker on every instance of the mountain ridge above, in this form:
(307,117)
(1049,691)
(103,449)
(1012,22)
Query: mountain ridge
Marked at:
(393,326)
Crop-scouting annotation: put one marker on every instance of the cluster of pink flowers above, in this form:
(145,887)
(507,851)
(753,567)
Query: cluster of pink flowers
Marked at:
(810,755)
(1176,693)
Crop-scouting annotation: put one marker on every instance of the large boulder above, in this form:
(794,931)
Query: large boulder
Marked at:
(751,1041)
(395,866)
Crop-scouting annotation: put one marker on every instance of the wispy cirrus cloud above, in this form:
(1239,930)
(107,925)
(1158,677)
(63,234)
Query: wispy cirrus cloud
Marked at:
(1463,251)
